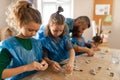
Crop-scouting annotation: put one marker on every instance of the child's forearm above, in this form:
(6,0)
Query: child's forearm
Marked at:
(28,67)
(81,49)
(84,49)
(13,71)
(72,56)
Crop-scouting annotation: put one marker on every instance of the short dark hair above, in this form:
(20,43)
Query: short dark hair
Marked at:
(97,39)
(85,19)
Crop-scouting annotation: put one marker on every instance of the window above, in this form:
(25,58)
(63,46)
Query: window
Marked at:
(47,7)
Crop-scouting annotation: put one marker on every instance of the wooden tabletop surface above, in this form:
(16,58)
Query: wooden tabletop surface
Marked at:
(98,67)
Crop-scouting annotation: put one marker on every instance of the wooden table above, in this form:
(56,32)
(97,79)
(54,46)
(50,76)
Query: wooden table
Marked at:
(98,67)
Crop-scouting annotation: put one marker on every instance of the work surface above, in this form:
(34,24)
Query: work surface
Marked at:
(98,67)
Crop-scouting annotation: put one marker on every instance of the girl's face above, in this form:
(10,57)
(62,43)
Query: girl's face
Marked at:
(28,30)
(56,30)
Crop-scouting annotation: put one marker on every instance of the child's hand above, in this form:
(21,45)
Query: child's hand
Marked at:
(36,66)
(90,52)
(93,45)
(44,65)
(69,67)
(96,49)
(55,66)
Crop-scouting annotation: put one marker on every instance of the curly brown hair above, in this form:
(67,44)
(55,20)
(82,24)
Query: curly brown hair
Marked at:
(22,13)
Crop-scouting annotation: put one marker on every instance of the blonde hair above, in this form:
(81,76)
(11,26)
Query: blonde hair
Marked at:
(22,13)
(55,18)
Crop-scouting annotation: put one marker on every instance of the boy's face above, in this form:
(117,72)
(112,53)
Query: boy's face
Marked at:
(81,24)
(81,29)
(29,30)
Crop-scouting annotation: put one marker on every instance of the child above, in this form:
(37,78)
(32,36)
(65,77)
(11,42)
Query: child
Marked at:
(77,38)
(97,40)
(21,55)
(56,45)
(70,23)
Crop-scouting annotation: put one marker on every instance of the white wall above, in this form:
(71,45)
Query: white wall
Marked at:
(84,8)
(3,8)
(114,40)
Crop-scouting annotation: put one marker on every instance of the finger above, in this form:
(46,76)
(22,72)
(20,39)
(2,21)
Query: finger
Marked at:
(46,65)
(42,62)
(39,67)
(69,69)
(58,67)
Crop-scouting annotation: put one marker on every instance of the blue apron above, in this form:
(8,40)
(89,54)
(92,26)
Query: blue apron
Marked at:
(57,51)
(21,56)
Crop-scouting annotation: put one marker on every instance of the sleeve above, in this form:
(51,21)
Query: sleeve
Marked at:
(45,52)
(88,44)
(70,23)
(74,44)
(69,45)
(5,58)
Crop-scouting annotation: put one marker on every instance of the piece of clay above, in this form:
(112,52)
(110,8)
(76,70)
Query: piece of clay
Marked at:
(111,74)
(109,68)
(99,68)
(81,70)
(87,62)
(76,68)
(93,72)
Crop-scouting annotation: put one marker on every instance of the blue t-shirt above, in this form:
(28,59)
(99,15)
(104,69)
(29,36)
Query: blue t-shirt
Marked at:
(75,41)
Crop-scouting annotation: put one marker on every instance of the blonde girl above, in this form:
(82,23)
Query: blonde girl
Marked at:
(21,55)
